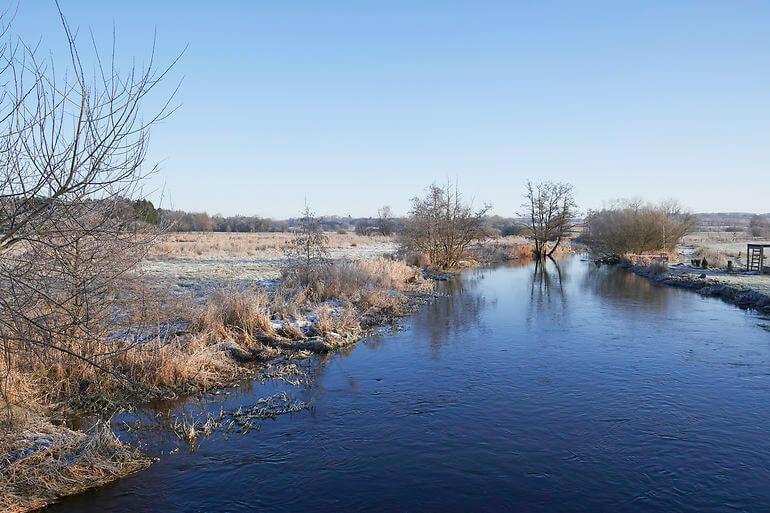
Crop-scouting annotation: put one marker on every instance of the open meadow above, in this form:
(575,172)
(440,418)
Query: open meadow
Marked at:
(194,260)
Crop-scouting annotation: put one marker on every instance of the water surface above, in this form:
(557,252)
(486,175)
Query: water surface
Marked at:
(527,389)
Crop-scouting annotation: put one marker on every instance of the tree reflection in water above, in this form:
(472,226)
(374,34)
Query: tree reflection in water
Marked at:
(547,290)
(460,307)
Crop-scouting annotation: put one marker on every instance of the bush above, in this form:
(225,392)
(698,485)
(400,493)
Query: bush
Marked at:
(441,226)
(513,230)
(638,228)
(759,226)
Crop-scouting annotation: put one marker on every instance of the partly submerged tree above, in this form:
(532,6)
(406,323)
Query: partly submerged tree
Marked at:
(442,226)
(550,213)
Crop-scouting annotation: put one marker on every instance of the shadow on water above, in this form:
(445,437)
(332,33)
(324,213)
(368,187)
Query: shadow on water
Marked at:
(545,387)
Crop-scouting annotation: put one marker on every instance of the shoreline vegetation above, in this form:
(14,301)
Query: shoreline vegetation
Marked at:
(315,292)
(212,341)
(209,346)
(199,345)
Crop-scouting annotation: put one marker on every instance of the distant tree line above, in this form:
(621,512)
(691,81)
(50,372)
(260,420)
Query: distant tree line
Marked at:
(759,226)
(181,221)
(385,223)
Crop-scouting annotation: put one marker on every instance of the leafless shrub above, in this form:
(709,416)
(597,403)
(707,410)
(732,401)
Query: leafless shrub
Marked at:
(385,221)
(634,227)
(308,251)
(442,226)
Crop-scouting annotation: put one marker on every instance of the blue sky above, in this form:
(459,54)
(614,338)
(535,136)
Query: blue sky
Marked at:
(354,105)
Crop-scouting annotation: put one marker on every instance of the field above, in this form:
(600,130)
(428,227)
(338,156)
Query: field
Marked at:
(193,260)
(718,247)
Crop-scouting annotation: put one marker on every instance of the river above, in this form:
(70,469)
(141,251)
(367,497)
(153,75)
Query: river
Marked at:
(564,388)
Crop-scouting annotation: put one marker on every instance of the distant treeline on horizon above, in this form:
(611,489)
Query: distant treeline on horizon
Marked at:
(183,221)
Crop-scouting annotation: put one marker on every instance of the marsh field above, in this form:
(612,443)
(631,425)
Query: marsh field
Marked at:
(205,259)
(201,258)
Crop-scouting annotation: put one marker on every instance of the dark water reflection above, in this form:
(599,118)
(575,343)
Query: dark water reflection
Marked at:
(566,388)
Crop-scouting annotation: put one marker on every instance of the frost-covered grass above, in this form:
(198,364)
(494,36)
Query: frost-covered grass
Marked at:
(268,246)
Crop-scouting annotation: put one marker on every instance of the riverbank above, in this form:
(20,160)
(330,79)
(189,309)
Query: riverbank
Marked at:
(741,289)
(583,379)
(213,329)
(217,342)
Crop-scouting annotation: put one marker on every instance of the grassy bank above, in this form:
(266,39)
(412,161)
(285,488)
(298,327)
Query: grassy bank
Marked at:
(197,347)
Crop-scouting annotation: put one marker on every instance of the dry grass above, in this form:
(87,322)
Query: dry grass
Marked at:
(343,322)
(181,364)
(377,283)
(504,249)
(239,245)
(657,267)
(291,331)
(707,238)
(204,352)
(228,312)
(714,257)
(41,462)
(230,327)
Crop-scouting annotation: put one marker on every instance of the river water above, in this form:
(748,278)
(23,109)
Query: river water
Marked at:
(566,388)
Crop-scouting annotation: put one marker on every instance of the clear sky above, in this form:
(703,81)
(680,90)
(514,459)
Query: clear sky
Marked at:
(357,104)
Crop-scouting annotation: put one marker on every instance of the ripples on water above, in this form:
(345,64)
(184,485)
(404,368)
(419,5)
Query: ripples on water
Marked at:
(566,388)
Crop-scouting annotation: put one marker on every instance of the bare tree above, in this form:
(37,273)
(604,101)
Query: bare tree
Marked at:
(72,148)
(385,220)
(442,226)
(550,212)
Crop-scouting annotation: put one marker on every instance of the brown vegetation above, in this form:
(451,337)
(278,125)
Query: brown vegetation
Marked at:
(633,227)
(442,227)
(42,462)
(759,226)
(197,245)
